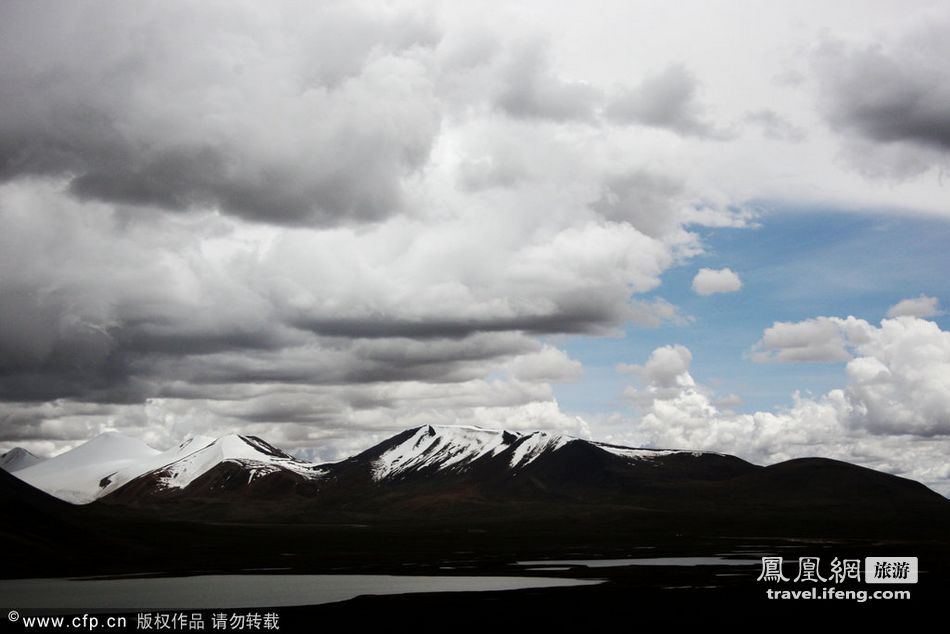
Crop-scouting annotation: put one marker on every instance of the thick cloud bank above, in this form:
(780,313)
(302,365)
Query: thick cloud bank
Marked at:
(323,222)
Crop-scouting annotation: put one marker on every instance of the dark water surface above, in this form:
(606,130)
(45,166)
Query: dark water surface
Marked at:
(241,591)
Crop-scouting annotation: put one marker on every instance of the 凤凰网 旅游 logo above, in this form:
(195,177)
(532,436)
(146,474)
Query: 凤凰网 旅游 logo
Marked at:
(891,570)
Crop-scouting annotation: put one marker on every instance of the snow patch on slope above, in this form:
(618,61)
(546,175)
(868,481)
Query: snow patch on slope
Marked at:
(75,476)
(639,454)
(439,447)
(534,445)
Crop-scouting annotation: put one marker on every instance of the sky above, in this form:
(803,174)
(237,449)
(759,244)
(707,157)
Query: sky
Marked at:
(707,225)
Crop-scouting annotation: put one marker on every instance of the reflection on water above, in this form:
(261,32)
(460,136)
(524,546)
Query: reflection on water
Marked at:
(205,592)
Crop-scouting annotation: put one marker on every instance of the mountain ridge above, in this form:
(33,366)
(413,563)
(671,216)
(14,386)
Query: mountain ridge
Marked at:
(106,463)
(111,460)
(461,474)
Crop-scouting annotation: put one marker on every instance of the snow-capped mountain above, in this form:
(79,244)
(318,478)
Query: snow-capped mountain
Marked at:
(459,475)
(425,494)
(18,458)
(456,448)
(473,465)
(452,457)
(123,469)
(180,467)
(110,461)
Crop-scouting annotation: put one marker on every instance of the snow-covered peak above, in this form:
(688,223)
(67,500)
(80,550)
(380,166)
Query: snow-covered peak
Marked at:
(18,458)
(256,455)
(187,447)
(75,475)
(106,447)
(111,460)
(454,447)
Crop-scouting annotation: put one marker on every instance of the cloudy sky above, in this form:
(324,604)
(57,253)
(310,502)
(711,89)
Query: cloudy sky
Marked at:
(710,225)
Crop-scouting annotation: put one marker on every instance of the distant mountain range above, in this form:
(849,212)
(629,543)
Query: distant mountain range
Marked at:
(448,473)
(18,458)
(111,461)
(115,465)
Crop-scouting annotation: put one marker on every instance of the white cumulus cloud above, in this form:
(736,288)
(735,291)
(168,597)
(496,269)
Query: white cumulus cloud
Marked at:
(892,414)
(711,281)
(821,339)
(922,306)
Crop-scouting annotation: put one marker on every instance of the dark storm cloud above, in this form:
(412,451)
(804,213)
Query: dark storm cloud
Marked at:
(82,319)
(580,318)
(135,369)
(350,362)
(130,362)
(51,381)
(136,339)
(891,96)
(46,352)
(669,100)
(120,311)
(183,122)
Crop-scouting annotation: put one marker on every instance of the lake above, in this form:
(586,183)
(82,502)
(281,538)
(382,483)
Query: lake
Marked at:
(208,592)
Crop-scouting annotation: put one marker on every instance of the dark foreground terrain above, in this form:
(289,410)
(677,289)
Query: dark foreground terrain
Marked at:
(632,594)
(107,545)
